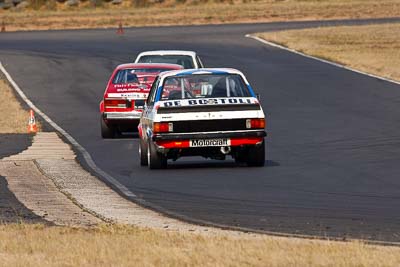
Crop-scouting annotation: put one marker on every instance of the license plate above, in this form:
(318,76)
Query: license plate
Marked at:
(210,142)
(123,116)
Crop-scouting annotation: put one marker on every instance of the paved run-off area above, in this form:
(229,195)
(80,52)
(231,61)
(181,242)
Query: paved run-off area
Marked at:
(35,190)
(47,180)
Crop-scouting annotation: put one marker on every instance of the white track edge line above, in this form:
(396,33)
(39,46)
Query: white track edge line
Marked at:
(73,142)
(320,59)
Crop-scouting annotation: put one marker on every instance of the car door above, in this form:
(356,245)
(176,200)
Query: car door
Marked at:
(148,113)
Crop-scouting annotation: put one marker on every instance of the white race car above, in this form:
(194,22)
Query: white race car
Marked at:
(208,112)
(187,59)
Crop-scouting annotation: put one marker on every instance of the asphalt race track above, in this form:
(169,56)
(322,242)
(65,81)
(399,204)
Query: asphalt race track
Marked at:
(333,150)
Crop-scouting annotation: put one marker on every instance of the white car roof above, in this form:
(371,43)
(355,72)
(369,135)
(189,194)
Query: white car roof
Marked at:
(202,71)
(168,52)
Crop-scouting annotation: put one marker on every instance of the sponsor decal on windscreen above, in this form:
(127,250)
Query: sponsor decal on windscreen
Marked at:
(209,101)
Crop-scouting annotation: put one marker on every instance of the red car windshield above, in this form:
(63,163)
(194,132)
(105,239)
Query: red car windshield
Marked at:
(133,75)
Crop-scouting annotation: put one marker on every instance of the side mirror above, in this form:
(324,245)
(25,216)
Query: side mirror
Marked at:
(258,96)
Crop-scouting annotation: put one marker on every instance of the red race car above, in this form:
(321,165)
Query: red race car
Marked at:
(125,95)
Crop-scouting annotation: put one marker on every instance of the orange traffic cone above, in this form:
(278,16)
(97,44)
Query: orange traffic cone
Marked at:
(32,128)
(120,29)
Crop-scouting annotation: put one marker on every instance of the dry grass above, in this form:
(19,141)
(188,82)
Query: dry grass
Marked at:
(199,12)
(13,119)
(35,245)
(373,48)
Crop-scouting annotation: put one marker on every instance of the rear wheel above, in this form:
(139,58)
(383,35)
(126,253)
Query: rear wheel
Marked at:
(106,131)
(155,160)
(240,156)
(256,155)
(143,152)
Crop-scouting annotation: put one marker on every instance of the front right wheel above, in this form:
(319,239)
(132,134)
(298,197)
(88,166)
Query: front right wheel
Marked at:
(155,159)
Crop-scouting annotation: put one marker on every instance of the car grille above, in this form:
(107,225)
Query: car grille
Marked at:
(209,125)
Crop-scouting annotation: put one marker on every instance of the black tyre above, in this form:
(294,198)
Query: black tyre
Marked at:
(106,131)
(256,155)
(143,152)
(155,160)
(241,156)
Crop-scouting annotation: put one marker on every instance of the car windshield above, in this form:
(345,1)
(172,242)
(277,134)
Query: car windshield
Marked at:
(184,61)
(131,75)
(204,86)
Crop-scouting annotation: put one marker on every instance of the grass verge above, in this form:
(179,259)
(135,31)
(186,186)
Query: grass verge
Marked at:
(371,48)
(13,119)
(37,245)
(198,12)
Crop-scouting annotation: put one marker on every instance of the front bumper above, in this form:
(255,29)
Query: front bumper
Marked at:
(132,115)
